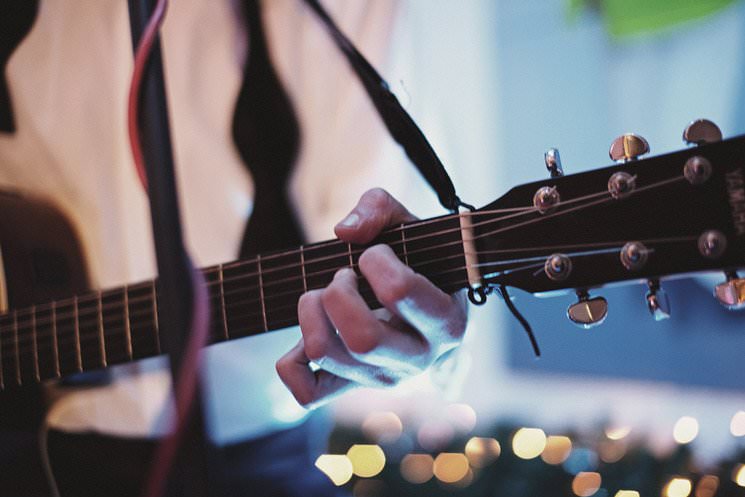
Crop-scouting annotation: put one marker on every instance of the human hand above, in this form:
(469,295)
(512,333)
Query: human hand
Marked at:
(418,325)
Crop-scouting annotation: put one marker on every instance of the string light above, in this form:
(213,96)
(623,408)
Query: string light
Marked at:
(528,443)
(737,425)
(677,487)
(557,450)
(707,486)
(417,468)
(337,467)
(627,493)
(685,430)
(586,483)
(382,427)
(367,460)
(738,475)
(482,451)
(450,467)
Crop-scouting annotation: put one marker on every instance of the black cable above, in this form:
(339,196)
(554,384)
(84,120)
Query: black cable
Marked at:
(520,318)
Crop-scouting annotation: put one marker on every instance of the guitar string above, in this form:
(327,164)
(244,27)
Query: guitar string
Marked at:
(115,331)
(235,264)
(566,211)
(458,242)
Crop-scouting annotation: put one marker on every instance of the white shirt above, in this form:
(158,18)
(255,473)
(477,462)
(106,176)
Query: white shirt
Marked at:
(69,80)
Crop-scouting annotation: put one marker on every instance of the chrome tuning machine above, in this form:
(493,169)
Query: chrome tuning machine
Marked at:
(702,131)
(657,301)
(588,312)
(731,293)
(553,162)
(628,147)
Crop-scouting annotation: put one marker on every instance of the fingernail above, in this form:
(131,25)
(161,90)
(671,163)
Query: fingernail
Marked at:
(350,221)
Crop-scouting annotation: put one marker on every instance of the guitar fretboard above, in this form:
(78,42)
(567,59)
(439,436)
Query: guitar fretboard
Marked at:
(247,297)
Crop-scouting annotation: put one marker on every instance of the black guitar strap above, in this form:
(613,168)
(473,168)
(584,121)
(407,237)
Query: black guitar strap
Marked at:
(399,123)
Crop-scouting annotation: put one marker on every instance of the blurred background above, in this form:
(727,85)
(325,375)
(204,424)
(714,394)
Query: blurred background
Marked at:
(633,407)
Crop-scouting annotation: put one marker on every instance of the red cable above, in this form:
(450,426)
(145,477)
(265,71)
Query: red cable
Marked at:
(185,387)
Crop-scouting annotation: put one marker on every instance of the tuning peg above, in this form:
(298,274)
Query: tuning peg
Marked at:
(628,147)
(553,162)
(702,131)
(731,293)
(657,301)
(588,312)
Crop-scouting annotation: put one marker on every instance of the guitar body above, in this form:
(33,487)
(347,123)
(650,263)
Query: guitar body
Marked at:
(41,261)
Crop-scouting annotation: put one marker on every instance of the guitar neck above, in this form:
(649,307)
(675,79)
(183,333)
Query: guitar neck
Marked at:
(247,297)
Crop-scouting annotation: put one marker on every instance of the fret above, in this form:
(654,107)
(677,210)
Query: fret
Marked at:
(55,342)
(436,251)
(243,304)
(261,292)
(216,297)
(25,346)
(35,345)
(322,261)
(16,347)
(351,259)
(403,244)
(142,333)
(112,314)
(64,322)
(223,314)
(7,352)
(99,322)
(127,327)
(92,355)
(46,341)
(302,268)
(282,277)
(156,324)
(76,330)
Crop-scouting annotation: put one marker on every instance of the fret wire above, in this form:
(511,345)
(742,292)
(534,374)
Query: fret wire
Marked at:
(16,346)
(101,334)
(36,344)
(55,341)
(302,269)
(222,304)
(155,316)
(128,327)
(76,331)
(349,251)
(261,292)
(403,243)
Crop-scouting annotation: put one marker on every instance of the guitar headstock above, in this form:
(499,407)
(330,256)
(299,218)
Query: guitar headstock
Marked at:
(641,220)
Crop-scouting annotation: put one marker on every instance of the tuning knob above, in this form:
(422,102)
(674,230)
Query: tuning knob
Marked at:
(628,147)
(702,131)
(657,301)
(588,312)
(553,162)
(731,293)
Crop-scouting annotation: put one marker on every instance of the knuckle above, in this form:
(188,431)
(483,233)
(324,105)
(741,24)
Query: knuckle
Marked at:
(377,198)
(316,347)
(331,294)
(362,344)
(397,287)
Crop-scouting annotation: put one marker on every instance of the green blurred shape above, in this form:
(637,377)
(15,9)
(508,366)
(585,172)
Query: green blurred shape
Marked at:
(631,17)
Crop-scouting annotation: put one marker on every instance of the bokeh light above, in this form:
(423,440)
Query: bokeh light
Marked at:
(738,475)
(369,488)
(685,430)
(557,449)
(737,425)
(482,451)
(617,432)
(677,487)
(611,451)
(528,443)
(586,483)
(707,486)
(461,416)
(382,427)
(627,493)
(337,467)
(367,460)
(417,468)
(451,467)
